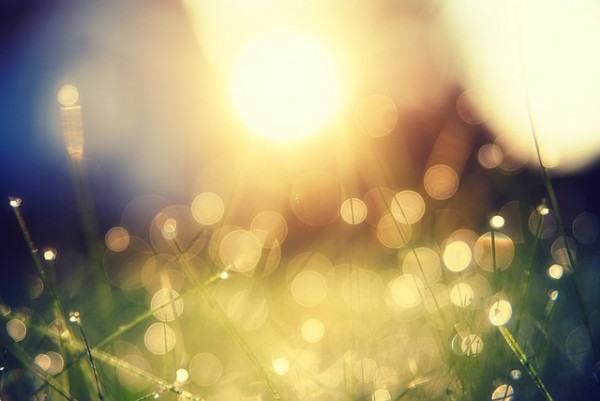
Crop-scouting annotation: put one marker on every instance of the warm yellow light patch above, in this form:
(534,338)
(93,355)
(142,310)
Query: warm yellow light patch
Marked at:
(284,86)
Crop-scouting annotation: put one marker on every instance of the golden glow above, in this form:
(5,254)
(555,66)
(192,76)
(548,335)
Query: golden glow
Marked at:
(408,207)
(117,239)
(353,211)
(506,52)
(205,369)
(284,86)
(67,95)
(500,312)
(441,182)
(208,208)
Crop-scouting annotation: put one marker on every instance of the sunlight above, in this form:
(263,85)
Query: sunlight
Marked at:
(284,86)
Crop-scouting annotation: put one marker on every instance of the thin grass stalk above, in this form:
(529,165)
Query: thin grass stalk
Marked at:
(518,352)
(528,269)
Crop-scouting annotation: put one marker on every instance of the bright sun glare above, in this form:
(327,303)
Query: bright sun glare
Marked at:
(284,86)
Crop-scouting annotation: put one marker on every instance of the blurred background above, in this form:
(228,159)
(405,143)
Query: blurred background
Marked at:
(325,172)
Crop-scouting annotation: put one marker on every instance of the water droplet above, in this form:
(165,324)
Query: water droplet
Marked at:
(497,222)
(14,202)
(49,254)
(75,317)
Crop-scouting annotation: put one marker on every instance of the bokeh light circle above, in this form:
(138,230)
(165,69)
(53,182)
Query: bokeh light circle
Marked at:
(160,338)
(501,258)
(461,295)
(423,263)
(504,392)
(208,208)
(393,234)
(205,369)
(500,312)
(490,156)
(240,251)
(67,95)
(16,329)
(555,271)
(406,291)
(309,288)
(457,256)
(171,306)
(270,228)
(117,239)
(408,207)
(353,211)
(441,181)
